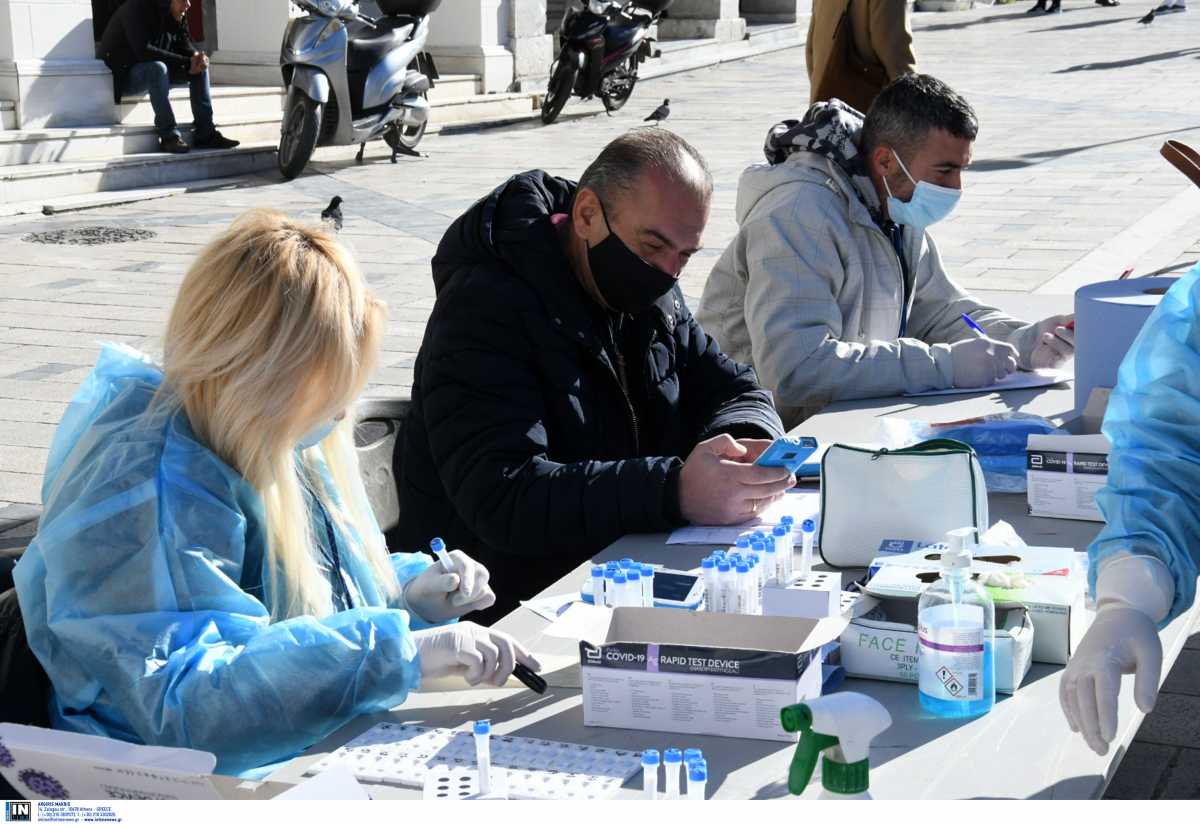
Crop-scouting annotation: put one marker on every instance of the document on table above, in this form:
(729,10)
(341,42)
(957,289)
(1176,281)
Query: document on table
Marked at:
(1017,380)
(800,504)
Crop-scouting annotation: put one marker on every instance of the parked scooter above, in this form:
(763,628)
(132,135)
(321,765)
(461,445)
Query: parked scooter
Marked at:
(351,78)
(602,46)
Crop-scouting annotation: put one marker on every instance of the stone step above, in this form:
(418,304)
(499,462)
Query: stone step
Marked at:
(8,115)
(452,99)
(234,103)
(43,182)
(55,171)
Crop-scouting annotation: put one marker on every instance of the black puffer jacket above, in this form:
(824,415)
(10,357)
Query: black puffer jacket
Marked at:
(522,448)
(141,31)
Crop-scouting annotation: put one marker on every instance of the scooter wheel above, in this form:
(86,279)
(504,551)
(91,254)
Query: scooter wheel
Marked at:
(298,134)
(558,91)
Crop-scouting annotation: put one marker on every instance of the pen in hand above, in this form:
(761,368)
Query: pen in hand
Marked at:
(977,329)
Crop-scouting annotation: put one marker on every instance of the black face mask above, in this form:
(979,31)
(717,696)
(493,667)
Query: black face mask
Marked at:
(626,282)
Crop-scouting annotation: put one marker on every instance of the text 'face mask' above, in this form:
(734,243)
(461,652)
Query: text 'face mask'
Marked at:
(627,283)
(928,204)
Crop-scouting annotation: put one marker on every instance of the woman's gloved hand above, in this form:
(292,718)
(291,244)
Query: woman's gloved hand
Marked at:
(478,654)
(438,596)
(1133,593)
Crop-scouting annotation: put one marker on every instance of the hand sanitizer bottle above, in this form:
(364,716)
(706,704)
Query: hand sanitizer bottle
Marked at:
(956,619)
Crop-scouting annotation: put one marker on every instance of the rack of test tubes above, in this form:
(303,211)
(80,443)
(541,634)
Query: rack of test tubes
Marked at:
(690,762)
(734,579)
(478,764)
(623,583)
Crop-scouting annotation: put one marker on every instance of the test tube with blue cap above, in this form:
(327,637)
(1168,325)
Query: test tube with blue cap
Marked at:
(598,585)
(708,571)
(725,583)
(697,779)
(620,586)
(808,533)
(650,761)
(625,564)
(771,565)
(691,754)
(647,585)
(788,556)
(633,587)
(743,585)
(610,587)
(672,762)
(483,755)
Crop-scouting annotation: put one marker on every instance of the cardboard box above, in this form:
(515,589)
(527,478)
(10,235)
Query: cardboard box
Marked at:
(882,644)
(1064,473)
(1054,596)
(697,672)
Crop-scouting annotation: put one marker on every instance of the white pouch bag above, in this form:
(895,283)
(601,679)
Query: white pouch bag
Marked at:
(917,493)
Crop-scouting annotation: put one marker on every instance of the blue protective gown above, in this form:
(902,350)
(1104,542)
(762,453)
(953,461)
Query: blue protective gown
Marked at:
(1152,500)
(143,593)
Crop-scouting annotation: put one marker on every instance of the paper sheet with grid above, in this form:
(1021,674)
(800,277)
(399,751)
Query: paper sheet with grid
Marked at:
(402,755)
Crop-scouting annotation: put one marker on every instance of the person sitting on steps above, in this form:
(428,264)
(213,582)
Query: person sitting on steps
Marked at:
(146,45)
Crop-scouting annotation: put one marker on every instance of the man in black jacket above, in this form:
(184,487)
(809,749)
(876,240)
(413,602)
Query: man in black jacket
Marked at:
(562,380)
(146,45)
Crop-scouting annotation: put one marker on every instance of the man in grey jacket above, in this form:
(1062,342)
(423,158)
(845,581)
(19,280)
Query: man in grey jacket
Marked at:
(833,289)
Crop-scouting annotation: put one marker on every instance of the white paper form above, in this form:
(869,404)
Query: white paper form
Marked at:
(1017,380)
(799,503)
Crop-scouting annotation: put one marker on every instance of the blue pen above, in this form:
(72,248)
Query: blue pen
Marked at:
(975,327)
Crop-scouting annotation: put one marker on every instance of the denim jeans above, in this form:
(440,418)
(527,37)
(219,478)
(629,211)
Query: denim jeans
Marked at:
(153,78)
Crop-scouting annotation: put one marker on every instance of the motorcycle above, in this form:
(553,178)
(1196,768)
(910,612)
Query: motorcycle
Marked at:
(351,78)
(602,46)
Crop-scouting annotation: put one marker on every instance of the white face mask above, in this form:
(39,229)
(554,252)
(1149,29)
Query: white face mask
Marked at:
(317,434)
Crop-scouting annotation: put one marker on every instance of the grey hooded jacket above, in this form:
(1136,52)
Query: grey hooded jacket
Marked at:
(811,291)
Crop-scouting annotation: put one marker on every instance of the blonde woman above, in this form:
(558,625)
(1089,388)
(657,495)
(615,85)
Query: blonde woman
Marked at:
(208,572)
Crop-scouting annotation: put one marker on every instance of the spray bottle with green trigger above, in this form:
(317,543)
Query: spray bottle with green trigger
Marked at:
(844,723)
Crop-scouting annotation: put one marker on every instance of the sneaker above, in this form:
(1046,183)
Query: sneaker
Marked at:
(173,145)
(216,140)
(1108,3)
(1165,9)
(1038,7)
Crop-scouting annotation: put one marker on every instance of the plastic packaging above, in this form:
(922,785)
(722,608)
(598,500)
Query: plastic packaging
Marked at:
(999,440)
(956,621)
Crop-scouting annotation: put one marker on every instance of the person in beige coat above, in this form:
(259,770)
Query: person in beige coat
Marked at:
(882,37)
(833,289)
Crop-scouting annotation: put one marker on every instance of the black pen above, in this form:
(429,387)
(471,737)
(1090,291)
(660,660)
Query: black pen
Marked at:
(529,678)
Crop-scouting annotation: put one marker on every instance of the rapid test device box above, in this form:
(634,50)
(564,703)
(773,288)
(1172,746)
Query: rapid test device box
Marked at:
(1064,473)
(709,674)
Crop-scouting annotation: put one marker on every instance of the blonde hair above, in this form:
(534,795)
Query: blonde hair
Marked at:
(274,331)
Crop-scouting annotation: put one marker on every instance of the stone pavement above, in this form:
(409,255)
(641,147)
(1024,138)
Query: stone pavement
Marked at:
(1066,185)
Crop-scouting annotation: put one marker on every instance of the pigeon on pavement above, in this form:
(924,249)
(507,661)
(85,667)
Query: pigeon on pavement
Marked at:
(333,213)
(660,114)
(1148,19)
